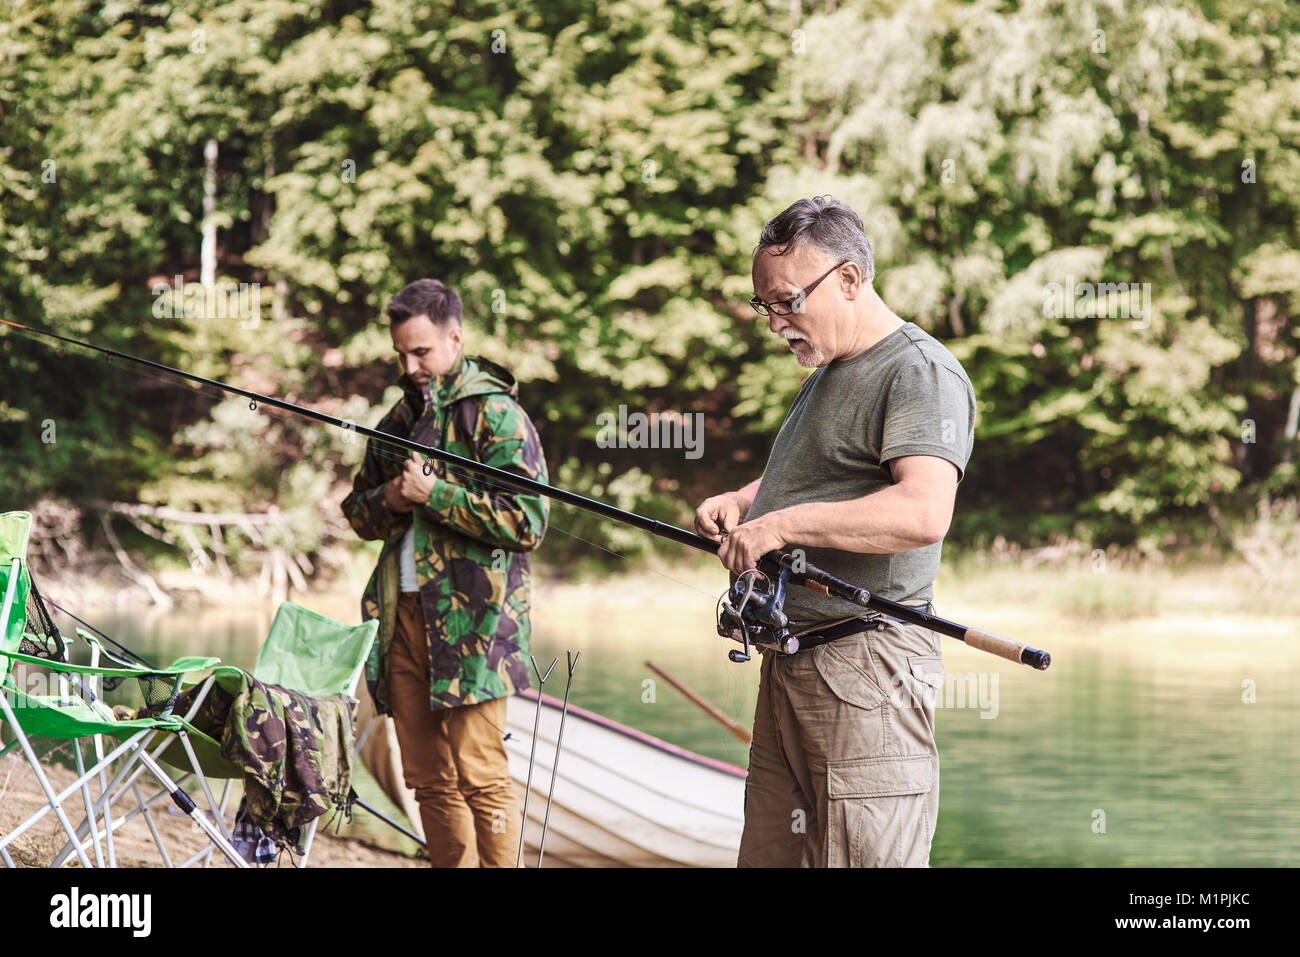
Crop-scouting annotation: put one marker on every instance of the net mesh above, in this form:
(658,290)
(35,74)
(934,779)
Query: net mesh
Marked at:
(159,691)
(40,636)
(42,639)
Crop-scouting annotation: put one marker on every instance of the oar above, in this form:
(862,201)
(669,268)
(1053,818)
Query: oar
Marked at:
(712,710)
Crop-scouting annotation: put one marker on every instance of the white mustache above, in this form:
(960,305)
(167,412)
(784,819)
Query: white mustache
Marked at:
(792,335)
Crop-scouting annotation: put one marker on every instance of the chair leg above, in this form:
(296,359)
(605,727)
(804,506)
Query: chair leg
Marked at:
(225,796)
(306,847)
(122,821)
(204,855)
(365,733)
(107,799)
(145,804)
(140,742)
(85,798)
(153,826)
(137,766)
(187,805)
(203,783)
(50,796)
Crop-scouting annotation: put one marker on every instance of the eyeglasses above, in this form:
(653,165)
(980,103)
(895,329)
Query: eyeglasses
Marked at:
(786,307)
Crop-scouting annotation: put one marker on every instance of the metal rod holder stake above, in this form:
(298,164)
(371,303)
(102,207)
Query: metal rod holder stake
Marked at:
(532,753)
(559,743)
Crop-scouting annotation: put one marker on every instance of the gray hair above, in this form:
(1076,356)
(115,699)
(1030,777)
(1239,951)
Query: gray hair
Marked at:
(826,225)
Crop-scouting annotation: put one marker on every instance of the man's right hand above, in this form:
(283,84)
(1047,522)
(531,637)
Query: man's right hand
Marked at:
(394,498)
(719,514)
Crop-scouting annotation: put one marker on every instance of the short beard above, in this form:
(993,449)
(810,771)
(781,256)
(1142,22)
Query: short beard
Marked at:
(811,357)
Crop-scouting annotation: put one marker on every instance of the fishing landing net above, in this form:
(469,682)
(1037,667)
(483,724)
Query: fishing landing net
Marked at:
(42,639)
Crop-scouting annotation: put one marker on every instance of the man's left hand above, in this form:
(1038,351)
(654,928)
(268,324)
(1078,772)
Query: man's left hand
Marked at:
(745,544)
(415,485)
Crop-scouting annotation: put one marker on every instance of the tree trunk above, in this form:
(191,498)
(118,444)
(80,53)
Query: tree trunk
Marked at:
(208,250)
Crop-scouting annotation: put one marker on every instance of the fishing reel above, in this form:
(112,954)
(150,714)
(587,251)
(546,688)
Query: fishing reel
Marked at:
(752,612)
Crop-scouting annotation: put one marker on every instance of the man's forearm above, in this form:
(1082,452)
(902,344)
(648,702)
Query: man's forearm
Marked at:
(912,513)
(886,522)
(370,511)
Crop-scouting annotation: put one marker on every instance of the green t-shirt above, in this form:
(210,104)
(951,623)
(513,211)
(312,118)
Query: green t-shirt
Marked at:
(906,395)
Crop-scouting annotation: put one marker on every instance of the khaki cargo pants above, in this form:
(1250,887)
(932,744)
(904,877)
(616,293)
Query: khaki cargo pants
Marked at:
(453,758)
(843,769)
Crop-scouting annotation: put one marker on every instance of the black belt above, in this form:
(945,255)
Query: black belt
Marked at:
(844,629)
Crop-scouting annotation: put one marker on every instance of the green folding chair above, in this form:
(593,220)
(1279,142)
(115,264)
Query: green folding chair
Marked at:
(60,702)
(304,652)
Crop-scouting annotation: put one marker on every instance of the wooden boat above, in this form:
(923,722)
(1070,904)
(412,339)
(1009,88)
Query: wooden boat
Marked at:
(623,798)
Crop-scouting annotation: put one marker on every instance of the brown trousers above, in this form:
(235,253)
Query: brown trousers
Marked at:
(843,769)
(453,758)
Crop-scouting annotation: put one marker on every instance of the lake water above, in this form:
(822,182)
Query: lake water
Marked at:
(1169,741)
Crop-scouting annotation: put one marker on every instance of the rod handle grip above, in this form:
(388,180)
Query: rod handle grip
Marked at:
(1006,648)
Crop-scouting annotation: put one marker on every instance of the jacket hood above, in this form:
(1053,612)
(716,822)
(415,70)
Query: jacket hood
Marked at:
(469,376)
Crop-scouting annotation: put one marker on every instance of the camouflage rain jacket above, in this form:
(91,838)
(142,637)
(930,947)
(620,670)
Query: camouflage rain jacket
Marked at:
(295,749)
(472,538)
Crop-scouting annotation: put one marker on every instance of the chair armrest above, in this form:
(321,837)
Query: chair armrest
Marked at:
(179,667)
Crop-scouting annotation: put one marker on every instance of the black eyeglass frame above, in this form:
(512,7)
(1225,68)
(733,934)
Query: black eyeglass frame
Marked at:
(765,308)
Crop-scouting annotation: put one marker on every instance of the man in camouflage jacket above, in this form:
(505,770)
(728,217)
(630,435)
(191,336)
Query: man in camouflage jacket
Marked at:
(451,590)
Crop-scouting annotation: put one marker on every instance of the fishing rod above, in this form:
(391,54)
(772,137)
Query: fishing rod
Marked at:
(751,611)
(138,661)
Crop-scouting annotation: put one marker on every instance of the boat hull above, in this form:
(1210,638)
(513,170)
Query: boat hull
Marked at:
(622,798)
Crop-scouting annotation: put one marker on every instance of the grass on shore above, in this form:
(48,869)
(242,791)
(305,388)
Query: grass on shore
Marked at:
(1092,590)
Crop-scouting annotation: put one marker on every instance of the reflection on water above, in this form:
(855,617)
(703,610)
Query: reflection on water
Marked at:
(1158,742)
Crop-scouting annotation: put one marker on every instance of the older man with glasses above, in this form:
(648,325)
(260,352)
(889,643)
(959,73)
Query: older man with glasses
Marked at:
(843,769)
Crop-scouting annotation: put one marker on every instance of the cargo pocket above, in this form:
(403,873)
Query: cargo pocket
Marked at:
(877,813)
(845,665)
(925,680)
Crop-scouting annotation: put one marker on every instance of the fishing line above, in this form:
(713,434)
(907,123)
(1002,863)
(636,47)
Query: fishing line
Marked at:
(387,449)
(392,451)
(58,606)
(737,695)
(382,446)
(766,625)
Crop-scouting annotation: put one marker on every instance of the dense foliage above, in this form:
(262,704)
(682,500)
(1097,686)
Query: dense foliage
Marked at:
(592,177)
